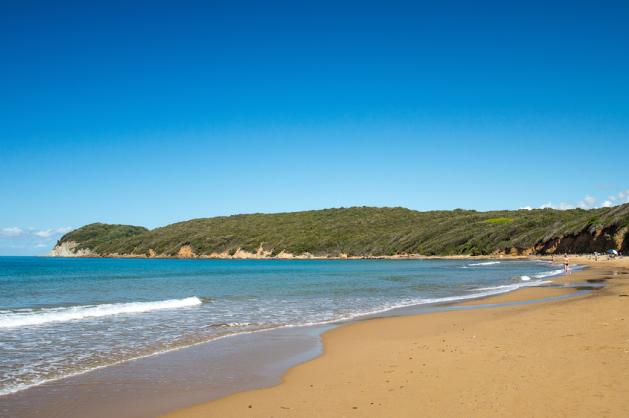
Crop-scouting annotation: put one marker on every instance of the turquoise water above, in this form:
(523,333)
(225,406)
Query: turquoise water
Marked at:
(60,317)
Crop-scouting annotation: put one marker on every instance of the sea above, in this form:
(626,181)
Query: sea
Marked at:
(61,317)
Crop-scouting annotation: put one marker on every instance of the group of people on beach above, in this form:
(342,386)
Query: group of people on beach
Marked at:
(566,264)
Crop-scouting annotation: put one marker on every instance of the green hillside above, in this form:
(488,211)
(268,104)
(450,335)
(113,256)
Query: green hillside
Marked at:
(367,231)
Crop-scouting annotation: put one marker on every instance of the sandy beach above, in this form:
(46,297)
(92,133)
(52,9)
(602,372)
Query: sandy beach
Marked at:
(567,358)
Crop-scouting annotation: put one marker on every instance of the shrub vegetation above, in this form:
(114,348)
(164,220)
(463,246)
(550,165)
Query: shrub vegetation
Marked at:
(361,231)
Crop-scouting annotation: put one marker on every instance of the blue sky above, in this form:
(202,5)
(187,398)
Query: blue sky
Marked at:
(152,113)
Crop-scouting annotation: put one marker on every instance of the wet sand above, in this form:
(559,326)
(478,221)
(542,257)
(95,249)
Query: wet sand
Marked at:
(151,386)
(562,358)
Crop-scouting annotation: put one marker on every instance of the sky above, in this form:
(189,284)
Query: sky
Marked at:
(152,113)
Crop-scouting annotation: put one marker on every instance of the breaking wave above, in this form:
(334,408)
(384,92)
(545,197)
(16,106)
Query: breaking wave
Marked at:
(548,274)
(13,319)
(486,263)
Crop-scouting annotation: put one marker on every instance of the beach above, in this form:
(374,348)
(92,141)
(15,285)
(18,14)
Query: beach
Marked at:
(468,344)
(549,359)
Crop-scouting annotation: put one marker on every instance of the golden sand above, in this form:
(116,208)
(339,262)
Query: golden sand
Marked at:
(567,358)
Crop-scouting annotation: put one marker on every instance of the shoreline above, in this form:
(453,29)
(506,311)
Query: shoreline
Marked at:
(188,367)
(402,310)
(555,258)
(68,250)
(293,257)
(343,366)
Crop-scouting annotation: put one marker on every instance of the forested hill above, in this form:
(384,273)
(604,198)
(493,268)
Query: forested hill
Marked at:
(361,232)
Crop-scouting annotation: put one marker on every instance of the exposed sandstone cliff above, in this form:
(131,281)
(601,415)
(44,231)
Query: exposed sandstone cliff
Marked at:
(586,241)
(69,249)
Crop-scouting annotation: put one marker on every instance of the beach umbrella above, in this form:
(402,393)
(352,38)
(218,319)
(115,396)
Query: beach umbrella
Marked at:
(612,252)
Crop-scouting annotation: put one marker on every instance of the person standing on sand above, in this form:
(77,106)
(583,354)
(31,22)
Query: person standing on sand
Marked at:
(566,266)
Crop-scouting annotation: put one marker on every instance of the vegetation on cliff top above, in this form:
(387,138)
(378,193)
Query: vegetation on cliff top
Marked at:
(101,235)
(368,231)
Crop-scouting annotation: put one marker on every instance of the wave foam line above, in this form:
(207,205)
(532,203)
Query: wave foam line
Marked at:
(486,263)
(44,316)
(549,274)
(515,286)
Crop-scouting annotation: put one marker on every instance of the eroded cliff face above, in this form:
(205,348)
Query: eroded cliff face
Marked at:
(587,241)
(186,251)
(622,239)
(69,249)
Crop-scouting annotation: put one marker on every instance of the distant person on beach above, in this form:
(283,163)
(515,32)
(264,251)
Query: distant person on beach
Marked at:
(566,266)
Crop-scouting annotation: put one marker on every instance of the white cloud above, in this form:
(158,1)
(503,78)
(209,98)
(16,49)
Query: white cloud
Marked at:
(588,202)
(13,231)
(620,197)
(18,240)
(525,208)
(561,206)
(46,233)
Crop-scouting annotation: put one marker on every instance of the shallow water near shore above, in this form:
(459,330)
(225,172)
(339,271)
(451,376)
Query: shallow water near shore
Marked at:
(60,317)
(154,385)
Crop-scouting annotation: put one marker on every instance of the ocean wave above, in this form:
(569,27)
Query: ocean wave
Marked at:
(486,263)
(231,325)
(514,286)
(525,278)
(548,273)
(12,319)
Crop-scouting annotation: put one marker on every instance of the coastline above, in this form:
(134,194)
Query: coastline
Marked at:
(195,374)
(532,359)
(244,255)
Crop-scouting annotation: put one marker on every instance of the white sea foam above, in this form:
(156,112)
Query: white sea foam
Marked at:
(13,319)
(525,278)
(514,286)
(548,274)
(486,263)
(231,325)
